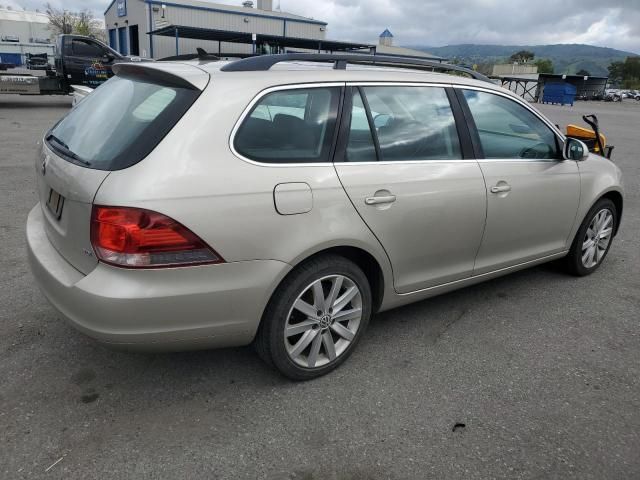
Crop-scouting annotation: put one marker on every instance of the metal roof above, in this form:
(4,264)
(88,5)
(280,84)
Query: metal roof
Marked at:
(23,16)
(230,9)
(182,31)
(386,34)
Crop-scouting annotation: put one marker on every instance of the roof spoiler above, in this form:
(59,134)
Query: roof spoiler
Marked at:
(340,61)
(171,75)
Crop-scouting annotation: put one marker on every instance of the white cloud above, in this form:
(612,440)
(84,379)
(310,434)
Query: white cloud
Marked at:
(612,23)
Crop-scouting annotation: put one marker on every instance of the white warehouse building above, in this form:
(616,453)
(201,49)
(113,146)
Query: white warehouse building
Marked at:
(23,32)
(129,22)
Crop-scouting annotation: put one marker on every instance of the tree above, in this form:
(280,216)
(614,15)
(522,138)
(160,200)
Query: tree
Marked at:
(616,72)
(60,21)
(523,56)
(87,25)
(626,74)
(80,23)
(583,73)
(544,65)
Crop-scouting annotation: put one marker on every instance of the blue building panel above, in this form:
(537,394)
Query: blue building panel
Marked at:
(113,42)
(122,41)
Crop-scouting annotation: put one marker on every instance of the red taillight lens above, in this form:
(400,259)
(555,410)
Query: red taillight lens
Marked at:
(135,237)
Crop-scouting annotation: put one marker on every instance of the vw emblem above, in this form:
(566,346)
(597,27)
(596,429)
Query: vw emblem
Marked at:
(44,165)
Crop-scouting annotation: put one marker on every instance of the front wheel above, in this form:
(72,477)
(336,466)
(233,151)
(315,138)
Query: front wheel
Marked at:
(315,318)
(593,240)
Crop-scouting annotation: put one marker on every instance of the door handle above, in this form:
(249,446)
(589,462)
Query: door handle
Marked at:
(379,200)
(500,188)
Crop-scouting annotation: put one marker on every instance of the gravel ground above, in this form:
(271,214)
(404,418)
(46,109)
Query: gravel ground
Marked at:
(533,375)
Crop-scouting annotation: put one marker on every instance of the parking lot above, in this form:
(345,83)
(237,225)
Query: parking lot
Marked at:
(533,375)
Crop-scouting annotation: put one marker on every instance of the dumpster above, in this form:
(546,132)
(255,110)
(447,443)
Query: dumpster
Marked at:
(559,92)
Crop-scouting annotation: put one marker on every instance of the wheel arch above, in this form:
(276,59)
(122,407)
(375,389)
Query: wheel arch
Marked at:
(616,197)
(367,263)
(378,274)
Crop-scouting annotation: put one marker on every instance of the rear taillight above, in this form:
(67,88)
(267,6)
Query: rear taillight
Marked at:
(135,237)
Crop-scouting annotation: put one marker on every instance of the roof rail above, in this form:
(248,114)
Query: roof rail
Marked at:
(340,61)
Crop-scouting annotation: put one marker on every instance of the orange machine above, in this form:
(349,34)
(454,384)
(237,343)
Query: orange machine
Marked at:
(588,136)
(593,139)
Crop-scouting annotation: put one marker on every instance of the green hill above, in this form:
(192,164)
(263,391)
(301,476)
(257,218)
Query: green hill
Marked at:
(566,58)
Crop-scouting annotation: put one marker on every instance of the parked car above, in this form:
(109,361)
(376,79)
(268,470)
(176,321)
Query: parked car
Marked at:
(612,96)
(283,203)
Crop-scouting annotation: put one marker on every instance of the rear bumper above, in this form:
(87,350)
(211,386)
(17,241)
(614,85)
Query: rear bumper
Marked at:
(161,309)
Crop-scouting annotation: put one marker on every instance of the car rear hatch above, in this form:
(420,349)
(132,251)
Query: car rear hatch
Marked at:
(114,128)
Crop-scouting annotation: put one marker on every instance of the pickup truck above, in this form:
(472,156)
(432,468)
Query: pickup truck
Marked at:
(79,61)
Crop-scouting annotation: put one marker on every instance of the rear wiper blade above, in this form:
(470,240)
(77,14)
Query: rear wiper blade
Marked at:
(64,149)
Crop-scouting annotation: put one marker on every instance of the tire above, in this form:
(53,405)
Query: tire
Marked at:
(591,230)
(336,332)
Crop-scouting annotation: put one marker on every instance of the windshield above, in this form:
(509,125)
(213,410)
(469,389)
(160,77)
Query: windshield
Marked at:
(120,123)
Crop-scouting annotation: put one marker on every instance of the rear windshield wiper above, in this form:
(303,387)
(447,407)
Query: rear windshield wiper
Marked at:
(64,149)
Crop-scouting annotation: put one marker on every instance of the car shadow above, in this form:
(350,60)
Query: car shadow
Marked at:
(226,373)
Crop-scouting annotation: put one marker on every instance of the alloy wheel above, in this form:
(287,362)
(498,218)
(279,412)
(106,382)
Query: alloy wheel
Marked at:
(323,321)
(597,238)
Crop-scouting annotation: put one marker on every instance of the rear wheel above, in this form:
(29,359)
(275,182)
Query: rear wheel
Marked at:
(593,240)
(315,318)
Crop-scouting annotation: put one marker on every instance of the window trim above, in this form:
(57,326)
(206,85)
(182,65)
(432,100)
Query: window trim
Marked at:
(473,129)
(370,120)
(467,147)
(344,116)
(344,130)
(263,93)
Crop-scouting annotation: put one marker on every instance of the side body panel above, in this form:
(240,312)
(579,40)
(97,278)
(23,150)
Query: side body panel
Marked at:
(598,176)
(433,230)
(193,176)
(534,218)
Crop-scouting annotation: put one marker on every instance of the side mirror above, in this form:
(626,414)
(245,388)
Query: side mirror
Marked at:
(107,58)
(574,149)
(381,120)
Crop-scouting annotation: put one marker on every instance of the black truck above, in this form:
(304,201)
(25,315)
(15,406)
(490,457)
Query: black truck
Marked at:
(79,62)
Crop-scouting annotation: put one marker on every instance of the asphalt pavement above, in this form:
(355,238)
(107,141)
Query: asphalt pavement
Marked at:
(533,375)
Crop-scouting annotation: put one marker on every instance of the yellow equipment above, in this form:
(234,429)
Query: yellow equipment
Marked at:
(593,139)
(588,136)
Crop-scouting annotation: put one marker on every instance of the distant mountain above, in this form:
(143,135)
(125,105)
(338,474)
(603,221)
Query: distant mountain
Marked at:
(566,58)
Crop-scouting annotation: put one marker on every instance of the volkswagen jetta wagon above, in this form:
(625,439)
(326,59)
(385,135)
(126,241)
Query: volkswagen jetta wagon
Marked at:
(283,202)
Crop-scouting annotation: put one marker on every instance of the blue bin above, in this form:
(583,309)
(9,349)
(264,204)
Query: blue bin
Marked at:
(559,92)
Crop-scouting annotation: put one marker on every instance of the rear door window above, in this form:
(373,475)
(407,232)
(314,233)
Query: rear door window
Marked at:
(119,123)
(290,126)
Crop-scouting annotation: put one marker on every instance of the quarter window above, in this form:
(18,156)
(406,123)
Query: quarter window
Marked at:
(290,126)
(509,130)
(413,123)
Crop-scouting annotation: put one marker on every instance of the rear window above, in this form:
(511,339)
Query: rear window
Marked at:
(290,126)
(120,123)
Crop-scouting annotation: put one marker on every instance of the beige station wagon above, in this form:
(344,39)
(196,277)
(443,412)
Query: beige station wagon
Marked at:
(283,200)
